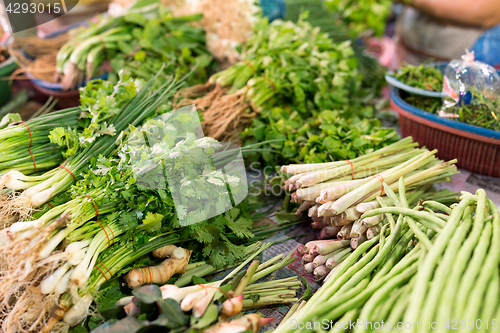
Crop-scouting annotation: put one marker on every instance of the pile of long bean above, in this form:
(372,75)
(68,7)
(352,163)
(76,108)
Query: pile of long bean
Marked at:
(338,194)
(435,268)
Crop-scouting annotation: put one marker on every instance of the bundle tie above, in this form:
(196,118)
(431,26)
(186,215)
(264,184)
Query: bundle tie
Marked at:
(249,65)
(72,175)
(379,177)
(103,43)
(212,287)
(145,275)
(48,203)
(110,274)
(352,168)
(31,143)
(104,275)
(271,82)
(93,202)
(106,233)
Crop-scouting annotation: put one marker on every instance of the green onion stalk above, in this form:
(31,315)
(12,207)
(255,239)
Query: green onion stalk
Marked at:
(26,146)
(136,42)
(41,188)
(61,250)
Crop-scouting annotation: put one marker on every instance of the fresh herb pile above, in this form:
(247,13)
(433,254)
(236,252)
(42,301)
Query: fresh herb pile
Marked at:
(423,77)
(361,16)
(432,264)
(480,112)
(429,104)
(284,64)
(118,211)
(325,137)
(138,41)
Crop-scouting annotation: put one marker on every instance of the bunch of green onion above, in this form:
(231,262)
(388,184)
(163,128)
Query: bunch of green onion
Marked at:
(26,146)
(136,41)
(39,189)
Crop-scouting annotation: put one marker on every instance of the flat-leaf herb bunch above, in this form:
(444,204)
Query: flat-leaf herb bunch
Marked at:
(284,63)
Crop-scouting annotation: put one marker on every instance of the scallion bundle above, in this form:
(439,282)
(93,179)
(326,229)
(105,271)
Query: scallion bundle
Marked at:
(142,103)
(137,41)
(26,147)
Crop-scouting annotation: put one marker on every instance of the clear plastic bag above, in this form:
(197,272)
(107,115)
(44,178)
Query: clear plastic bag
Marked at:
(467,81)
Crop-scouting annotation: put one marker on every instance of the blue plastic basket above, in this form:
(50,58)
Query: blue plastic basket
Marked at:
(477,149)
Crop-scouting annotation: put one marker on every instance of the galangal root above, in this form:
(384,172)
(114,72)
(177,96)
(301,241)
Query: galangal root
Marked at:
(176,263)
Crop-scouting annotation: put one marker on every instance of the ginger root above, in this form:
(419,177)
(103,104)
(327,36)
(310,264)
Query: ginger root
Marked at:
(164,251)
(176,263)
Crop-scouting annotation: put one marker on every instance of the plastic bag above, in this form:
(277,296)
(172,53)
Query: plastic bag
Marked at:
(467,81)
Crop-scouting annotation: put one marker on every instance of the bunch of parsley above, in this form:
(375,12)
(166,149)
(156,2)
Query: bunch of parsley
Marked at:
(325,137)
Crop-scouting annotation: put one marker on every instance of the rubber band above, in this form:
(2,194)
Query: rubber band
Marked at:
(352,168)
(110,274)
(103,43)
(101,272)
(112,234)
(31,144)
(32,158)
(109,243)
(212,287)
(72,175)
(48,203)
(29,130)
(150,275)
(379,177)
(249,65)
(271,82)
(95,206)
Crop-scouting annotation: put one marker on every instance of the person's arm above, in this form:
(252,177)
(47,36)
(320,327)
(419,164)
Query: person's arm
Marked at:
(484,13)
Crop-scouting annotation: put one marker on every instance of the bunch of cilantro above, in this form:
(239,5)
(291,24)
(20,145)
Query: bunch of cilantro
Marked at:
(132,190)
